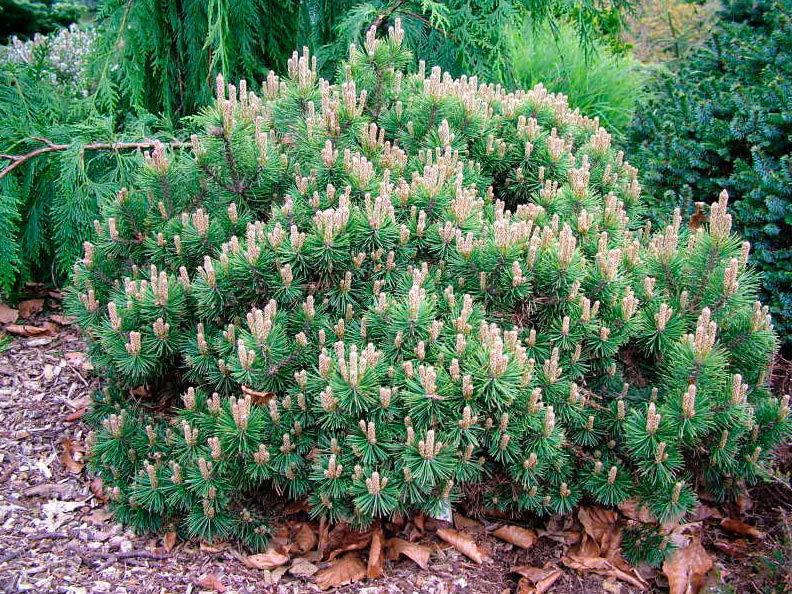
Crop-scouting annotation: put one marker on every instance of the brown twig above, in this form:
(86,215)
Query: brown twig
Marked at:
(10,556)
(50,147)
(101,560)
(113,558)
(47,536)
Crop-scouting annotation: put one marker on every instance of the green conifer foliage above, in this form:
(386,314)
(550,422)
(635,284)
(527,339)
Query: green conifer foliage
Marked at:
(723,119)
(378,294)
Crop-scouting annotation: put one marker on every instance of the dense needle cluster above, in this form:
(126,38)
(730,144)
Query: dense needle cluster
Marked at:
(403,290)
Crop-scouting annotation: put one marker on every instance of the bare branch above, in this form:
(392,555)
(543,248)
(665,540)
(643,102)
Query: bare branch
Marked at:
(50,147)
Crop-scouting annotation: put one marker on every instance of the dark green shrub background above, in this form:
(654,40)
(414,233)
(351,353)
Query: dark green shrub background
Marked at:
(724,120)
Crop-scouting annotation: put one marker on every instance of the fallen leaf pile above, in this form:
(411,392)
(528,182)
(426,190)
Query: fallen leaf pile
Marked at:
(524,538)
(338,555)
(332,556)
(17,321)
(536,580)
(686,567)
(599,550)
(72,455)
(345,570)
(462,542)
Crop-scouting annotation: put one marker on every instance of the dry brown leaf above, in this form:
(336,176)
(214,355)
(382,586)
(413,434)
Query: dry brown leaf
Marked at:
(600,548)
(462,543)
(418,553)
(257,397)
(30,307)
(269,559)
(305,539)
(376,558)
(324,535)
(281,541)
(343,538)
(210,581)
(140,391)
(342,571)
(97,489)
(524,586)
(686,568)
(76,415)
(741,528)
(705,512)
(566,537)
(26,330)
(217,547)
(62,320)
(564,529)
(698,218)
(169,541)
(303,568)
(8,315)
(605,567)
(536,580)
(396,522)
(78,360)
(633,510)
(601,525)
(533,573)
(463,523)
(738,548)
(79,402)
(524,538)
(71,456)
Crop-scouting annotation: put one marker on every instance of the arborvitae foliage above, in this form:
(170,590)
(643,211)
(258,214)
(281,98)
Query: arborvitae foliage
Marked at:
(47,204)
(384,294)
(161,56)
(724,121)
(56,162)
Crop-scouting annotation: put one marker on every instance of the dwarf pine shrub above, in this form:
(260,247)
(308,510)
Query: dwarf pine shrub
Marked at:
(402,290)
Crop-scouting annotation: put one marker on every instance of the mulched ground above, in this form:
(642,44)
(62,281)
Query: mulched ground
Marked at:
(55,535)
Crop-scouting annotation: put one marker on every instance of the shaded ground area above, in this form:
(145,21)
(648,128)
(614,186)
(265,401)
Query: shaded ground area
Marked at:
(55,535)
